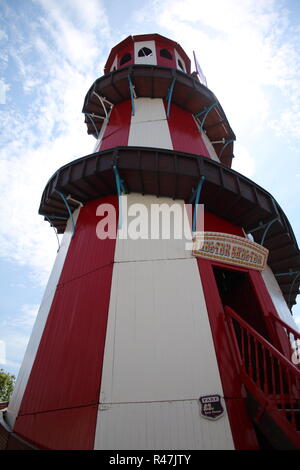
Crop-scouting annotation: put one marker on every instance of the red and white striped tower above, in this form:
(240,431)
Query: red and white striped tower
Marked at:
(141,343)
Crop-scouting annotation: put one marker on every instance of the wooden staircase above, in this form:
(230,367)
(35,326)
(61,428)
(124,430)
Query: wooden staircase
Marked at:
(271,378)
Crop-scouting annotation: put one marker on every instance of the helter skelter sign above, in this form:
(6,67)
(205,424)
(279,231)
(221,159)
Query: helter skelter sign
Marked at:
(230,249)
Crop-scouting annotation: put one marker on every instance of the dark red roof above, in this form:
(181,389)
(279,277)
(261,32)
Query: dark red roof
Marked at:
(145,37)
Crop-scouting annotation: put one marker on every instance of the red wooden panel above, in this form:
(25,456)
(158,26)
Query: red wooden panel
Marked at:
(162,60)
(184,132)
(117,130)
(86,251)
(212,223)
(71,429)
(128,49)
(67,369)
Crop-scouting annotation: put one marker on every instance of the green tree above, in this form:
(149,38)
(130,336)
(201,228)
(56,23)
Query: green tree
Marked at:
(7,383)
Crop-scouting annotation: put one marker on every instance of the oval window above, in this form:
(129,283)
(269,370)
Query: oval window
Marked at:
(126,58)
(166,54)
(145,52)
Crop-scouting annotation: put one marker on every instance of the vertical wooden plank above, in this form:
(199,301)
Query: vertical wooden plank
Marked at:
(158,349)
(149,127)
(184,132)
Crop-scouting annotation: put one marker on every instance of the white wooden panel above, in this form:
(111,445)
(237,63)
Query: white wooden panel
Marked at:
(209,147)
(178,57)
(151,249)
(277,297)
(148,59)
(38,328)
(168,425)
(114,64)
(159,344)
(100,136)
(147,109)
(150,134)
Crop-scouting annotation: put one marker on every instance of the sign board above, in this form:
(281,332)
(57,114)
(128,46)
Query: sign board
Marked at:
(211,406)
(230,249)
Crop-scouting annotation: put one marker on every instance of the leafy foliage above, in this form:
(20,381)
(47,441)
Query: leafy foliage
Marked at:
(7,383)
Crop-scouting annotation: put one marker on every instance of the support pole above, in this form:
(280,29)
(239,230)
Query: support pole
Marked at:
(196,196)
(132,95)
(120,189)
(169,95)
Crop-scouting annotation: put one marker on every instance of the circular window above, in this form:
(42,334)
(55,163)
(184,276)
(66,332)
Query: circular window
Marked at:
(145,52)
(166,54)
(126,58)
(180,65)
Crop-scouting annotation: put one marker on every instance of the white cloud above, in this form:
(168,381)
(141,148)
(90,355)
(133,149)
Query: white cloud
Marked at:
(4,87)
(243,48)
(243,162)
(240,47)
(56,65)
(25,319)
(75,29)
(15,331)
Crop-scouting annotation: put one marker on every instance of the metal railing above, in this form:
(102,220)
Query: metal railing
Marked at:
(293,339)
(272,379)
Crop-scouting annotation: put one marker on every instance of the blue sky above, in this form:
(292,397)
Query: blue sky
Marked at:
(51,51)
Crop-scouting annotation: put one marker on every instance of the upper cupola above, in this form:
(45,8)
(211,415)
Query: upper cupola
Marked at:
(148,49)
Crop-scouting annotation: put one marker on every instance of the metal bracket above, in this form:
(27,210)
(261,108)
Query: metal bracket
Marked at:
(92,121)
(195,197)
(132,95)
(68,209)
(70,198)
(267,229)
(266,226)
(121,190)
(169,95)
(206,112)
(223,141)
(102,101)
(55,231)
(289,273)
(227,142)
(291,288)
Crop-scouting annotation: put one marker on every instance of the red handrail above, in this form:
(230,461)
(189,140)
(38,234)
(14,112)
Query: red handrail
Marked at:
(269,376)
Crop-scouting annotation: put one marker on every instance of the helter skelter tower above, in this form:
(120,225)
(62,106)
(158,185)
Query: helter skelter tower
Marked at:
(143,344)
